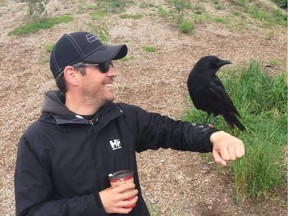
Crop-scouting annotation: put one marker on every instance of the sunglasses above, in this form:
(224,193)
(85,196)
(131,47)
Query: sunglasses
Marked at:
(103,67)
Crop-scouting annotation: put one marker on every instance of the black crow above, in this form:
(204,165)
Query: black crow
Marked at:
(208,93)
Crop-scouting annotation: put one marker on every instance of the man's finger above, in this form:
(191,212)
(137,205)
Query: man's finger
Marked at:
(232,152)
(240,151)
(218,159)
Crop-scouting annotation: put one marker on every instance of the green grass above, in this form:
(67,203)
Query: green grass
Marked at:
(218,5)
(153,210)
(268,18)
(198,8)
(131,16)
(149,48)
(163,12)
(274,62)
(98,14)
(242,14)
(186,27)
(102,32)
(34,26)
(280,3)
(262,103)
(259,12)
(144,4)
(48,47)
(84,8)
(112,6)
(125,59)
(178,9)
(104,6)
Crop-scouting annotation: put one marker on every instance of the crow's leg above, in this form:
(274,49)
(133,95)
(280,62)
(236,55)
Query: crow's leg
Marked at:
(207,118)
(214,120)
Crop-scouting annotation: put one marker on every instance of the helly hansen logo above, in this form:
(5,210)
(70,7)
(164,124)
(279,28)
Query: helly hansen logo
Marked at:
(115,144)
(91,38)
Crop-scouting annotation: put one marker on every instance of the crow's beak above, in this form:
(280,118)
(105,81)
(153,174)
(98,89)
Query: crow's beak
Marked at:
(226,62)
(222,62)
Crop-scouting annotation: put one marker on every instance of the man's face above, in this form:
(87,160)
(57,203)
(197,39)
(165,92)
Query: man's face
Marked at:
(96,86)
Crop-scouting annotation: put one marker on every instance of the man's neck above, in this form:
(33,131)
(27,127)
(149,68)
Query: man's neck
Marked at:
(80,106)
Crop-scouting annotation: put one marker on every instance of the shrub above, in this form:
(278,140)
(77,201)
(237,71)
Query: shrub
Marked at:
(186,27)
(36,8)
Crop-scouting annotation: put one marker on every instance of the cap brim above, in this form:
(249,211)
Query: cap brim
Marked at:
(107,53)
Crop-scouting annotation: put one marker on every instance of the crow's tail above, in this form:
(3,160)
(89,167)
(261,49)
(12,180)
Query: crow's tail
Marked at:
(232,121)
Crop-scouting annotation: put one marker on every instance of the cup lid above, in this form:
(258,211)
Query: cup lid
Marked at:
(121,174)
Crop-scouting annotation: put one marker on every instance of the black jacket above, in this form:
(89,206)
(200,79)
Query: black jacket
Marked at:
(63,159)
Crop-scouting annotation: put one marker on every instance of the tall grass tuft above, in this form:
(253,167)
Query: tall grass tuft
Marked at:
(281,3)
(261,100)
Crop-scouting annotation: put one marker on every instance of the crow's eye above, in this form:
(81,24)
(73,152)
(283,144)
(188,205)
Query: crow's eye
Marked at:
(216,62)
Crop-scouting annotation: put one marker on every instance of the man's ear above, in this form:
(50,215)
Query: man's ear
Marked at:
(70,74)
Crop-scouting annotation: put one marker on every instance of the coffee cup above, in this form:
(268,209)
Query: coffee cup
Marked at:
(122,177)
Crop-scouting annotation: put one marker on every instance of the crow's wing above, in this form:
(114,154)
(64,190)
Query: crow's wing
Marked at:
(217,82)
(218,91)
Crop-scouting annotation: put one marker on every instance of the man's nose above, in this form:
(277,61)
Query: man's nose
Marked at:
(112,71)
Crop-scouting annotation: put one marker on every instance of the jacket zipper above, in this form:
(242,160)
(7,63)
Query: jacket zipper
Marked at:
(94,121)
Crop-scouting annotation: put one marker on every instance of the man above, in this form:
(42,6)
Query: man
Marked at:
(82,136)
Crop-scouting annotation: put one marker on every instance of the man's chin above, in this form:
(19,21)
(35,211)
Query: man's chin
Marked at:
(111,99)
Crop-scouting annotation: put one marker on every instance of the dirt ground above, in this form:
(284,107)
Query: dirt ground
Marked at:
(173,182)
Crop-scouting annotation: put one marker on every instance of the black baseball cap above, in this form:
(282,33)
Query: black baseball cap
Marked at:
(85,47)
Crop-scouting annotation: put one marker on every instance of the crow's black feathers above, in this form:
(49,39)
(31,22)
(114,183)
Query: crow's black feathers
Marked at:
(208,93)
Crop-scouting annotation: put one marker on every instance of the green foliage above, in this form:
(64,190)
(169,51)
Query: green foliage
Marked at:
(84,8)
(131,16)
(274,62)
(149,49)
(263,168)
(144,4)
(186,27)
(218,5)
(281,3)
(241,3)
(104,7)
(242,15)
(222,20)
(114,6)
(98,14)
(125,59)
(162,12)
(48,47)
(36,8)
(262,102)
(102,32)
(276,17)
(198,8)
(257,92)
(178,8)
(42,24)
(117,4)
(259,12)
(154,209)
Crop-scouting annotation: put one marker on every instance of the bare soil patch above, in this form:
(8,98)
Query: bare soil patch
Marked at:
(174,183)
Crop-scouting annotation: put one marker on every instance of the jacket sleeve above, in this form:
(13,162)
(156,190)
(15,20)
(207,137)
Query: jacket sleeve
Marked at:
(34,188)
(155,131)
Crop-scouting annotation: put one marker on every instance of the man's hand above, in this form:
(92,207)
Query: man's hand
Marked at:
(114,199)
(226,147)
